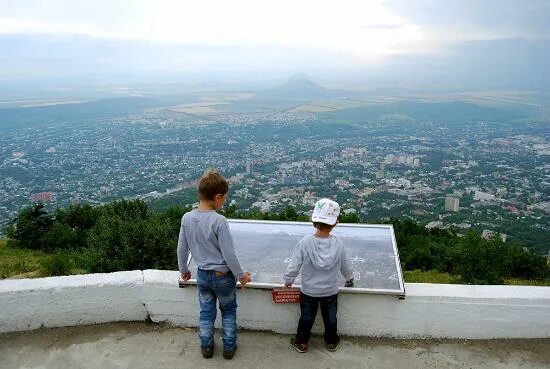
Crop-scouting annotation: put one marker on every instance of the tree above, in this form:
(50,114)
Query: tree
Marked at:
(349,218)
(78,219)
(126,209)
(59,237)
(525,264)
(160,244)
(116,244)
(289,214)
(480,261)
(230,211)
(30,226)
(126,237)
(81,217)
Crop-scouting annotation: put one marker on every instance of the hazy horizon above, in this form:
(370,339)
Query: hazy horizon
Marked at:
(442,44)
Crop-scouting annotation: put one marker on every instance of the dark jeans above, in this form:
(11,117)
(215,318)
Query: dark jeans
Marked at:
(308,308)
(221,288)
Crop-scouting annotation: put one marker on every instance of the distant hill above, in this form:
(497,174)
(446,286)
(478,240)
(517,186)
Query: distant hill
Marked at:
(296,88)
(35,116)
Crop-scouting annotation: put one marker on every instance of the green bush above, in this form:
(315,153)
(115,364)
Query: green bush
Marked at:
(59,237)
(124,235)
(57,264)
(480,261)
(132,239)
(79,219)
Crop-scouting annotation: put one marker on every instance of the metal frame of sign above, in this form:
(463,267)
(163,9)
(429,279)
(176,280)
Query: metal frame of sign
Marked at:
(394,292)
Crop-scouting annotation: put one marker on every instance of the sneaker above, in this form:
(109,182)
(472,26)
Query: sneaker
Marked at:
(207,352)
(300,347)
(333,346)
(229,354)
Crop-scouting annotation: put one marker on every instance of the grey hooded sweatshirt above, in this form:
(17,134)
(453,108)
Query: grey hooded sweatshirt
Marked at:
(321,259)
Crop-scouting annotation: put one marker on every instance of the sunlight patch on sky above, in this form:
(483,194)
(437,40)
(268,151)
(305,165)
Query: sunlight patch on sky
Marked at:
(362,29)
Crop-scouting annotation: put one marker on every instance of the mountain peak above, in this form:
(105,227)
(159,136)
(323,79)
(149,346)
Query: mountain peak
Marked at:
(298,87)
(301,83)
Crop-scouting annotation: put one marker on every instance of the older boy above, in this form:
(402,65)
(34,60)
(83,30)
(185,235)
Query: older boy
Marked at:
(206,234)
(322,258)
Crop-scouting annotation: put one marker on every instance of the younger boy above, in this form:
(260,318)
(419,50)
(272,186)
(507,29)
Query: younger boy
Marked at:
(322,258)
(206,234)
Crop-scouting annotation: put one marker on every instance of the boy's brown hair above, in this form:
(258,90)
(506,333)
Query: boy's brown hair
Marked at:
(211,184)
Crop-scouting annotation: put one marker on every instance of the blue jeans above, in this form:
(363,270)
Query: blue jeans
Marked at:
(308,310)
(214,287)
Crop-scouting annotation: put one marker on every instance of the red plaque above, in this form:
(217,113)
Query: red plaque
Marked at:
(286,295)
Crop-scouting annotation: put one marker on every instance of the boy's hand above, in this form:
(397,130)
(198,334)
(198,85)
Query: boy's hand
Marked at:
(186,276)
(288,285)
(349,283)
(245,279)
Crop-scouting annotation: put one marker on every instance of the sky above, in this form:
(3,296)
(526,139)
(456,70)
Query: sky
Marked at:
(502,42)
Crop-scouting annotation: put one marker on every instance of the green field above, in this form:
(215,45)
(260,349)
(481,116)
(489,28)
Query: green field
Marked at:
(335,104)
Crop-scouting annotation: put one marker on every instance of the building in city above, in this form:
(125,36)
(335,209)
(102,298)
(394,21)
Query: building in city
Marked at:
(487,234)
(483,196)
(249,168)
(451,203)
(42,196)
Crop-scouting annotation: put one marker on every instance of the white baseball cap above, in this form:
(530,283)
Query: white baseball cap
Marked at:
(326,211)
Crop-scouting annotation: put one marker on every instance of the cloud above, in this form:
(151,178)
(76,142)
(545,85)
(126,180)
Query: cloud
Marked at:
(469,20)
(383,26)
(393,40)
(359,28)
(362,29)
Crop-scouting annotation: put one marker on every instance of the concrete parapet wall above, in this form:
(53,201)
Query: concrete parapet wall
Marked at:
(166,302)
(429,310)
(27,304)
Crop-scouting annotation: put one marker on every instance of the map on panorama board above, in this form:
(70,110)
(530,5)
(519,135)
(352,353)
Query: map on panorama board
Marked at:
(264,249)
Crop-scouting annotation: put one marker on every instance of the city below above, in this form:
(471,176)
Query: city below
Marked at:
(467,162)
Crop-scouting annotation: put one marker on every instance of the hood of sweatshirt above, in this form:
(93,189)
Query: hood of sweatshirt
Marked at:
(324,252)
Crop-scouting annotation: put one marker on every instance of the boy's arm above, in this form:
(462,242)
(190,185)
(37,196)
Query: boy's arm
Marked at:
(228,250)
(294,266)
(345,269)
(183,252)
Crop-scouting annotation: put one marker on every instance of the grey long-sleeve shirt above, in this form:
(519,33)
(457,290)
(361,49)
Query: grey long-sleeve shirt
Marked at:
(206,235)
(322,260)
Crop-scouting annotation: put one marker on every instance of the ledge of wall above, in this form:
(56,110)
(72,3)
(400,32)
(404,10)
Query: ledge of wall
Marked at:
(429,310)
(71,300)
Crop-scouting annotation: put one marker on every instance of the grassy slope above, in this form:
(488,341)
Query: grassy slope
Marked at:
(433,276)
(19,263)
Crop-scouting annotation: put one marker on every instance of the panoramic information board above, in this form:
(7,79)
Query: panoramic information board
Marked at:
(264,249)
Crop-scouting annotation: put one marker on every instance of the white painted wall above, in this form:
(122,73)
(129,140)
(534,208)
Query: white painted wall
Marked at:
(429,310)
(71,300)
